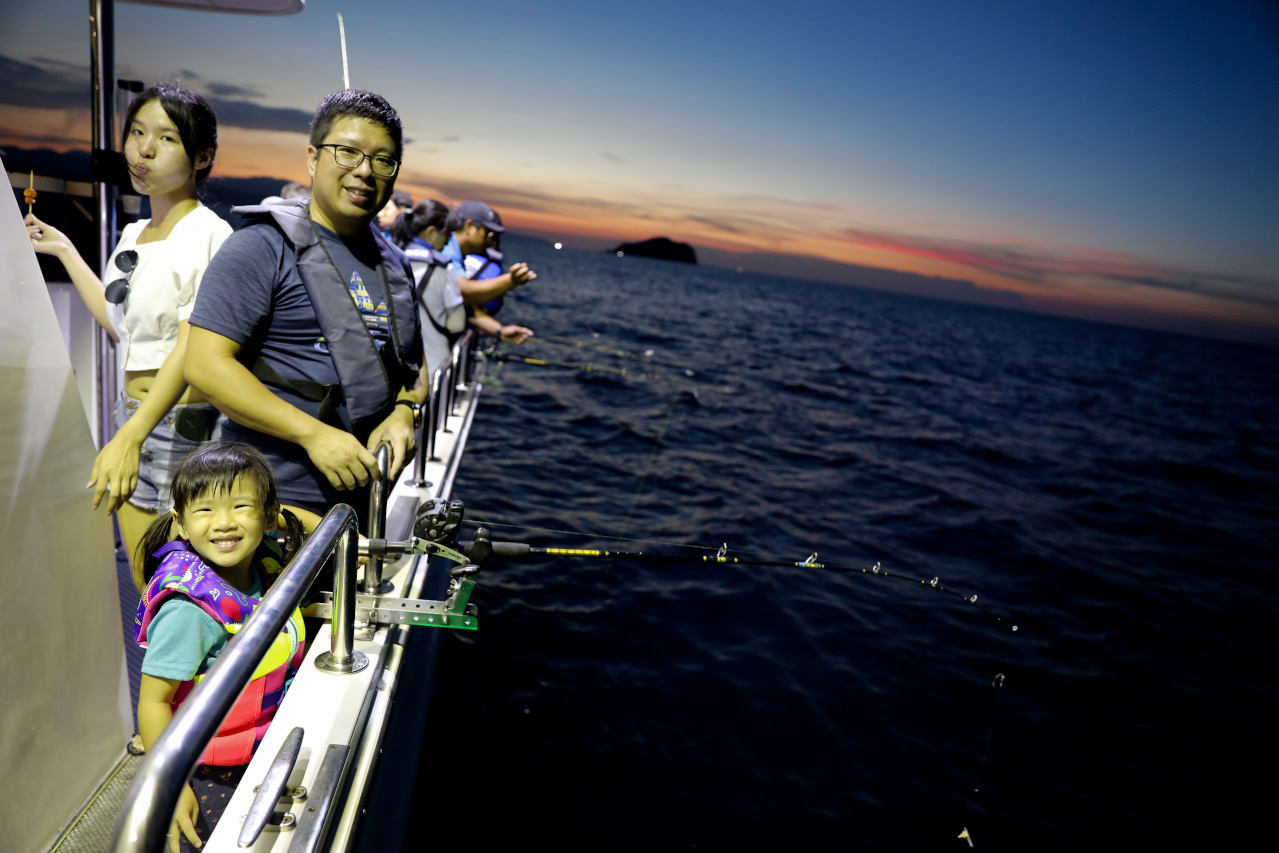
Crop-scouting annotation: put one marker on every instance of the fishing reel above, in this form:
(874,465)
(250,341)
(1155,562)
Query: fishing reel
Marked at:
(491,348)
(434,533)
(437,521)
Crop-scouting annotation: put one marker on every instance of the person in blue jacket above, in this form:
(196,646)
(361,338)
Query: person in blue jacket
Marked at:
(475,228)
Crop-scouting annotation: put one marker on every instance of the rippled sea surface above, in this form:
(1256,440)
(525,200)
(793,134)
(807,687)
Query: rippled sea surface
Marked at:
(1112,492)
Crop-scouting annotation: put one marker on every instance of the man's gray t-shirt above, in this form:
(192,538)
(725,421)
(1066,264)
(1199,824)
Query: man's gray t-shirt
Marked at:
(252,293)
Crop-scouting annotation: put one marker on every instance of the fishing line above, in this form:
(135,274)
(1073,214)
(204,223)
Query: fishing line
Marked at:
(576,344)
(587,367)
(652,457)
(512,550)
(997,684)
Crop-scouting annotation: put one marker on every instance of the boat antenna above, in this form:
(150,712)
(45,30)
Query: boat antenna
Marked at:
(346,72)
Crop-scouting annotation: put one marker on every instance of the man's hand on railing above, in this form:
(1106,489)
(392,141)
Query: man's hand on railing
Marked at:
(396,431)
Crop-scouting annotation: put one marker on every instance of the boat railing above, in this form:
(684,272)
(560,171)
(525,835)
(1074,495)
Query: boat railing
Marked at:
(379,490)
(150,802)
(446,381)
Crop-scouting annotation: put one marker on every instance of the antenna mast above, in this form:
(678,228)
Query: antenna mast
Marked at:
(346,74)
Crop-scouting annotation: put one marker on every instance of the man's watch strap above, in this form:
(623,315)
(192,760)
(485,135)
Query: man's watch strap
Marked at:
(414,407)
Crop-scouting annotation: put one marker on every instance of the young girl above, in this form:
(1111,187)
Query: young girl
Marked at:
(199,591)
(170,139)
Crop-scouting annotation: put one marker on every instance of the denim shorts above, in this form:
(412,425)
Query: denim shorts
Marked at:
(163,449)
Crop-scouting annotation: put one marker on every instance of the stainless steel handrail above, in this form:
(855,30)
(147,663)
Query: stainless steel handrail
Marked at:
(379,491)
(425,446)
(442,389)
(437,407)
(462,361)
(342,658)
(151,799)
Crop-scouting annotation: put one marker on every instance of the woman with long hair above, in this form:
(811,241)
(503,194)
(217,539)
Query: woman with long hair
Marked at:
(170,141)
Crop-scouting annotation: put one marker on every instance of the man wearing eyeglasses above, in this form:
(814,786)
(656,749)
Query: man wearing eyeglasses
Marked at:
(305,332)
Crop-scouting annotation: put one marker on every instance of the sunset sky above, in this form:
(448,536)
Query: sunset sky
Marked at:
(1112,160)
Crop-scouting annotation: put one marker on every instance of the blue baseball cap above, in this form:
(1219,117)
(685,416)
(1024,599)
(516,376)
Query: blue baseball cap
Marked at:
(479,213)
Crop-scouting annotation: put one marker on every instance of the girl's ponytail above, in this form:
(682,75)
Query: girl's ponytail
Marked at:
(294,535)
(144,561)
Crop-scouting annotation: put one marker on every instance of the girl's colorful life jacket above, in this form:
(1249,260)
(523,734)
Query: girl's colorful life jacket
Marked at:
(181,571)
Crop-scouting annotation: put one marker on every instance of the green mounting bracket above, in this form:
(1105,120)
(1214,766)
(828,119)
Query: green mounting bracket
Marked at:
(453,612)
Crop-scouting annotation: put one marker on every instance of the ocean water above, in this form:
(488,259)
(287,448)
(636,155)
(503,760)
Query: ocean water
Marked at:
(1113,493)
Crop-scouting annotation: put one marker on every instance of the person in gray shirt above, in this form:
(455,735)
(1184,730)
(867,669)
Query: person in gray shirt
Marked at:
(305,333)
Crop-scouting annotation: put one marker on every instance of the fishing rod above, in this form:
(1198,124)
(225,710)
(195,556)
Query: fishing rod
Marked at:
(483,548)
(587,367)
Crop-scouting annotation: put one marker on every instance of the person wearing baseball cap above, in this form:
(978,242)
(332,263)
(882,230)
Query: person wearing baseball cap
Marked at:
(475,229)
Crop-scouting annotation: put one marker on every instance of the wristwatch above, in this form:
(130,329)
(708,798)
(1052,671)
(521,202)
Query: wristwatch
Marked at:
(414,407)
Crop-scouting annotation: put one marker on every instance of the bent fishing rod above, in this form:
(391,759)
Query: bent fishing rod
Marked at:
(482,548)
(437,523)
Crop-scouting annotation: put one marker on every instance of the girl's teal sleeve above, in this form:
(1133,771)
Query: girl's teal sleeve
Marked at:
(180,639)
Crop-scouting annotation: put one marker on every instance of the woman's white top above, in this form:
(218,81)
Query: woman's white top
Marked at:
(163,285)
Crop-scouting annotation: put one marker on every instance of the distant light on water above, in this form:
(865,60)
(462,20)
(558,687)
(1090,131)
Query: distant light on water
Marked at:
(739,269)
(559,245)
(620,253)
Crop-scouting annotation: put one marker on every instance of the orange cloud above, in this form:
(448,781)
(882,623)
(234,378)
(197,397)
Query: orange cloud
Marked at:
(1064,278)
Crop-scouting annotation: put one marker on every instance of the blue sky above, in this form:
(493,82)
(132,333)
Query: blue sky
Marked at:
(1102,159)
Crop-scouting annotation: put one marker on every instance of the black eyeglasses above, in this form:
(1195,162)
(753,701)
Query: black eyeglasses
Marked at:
(351,158)
(118,290)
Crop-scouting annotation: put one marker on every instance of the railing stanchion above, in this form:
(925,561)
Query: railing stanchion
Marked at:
(342,658)
(419,458)
(443,386)
(379,491)
(447,391)
(435,414)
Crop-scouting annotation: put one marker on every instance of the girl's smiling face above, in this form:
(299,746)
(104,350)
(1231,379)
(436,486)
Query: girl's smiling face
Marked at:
(225,527)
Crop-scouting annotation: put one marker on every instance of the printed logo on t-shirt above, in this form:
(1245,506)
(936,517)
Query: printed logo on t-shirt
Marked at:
(376,319)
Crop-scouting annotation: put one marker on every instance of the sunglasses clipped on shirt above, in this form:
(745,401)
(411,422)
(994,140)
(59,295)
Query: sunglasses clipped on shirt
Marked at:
(118,290)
